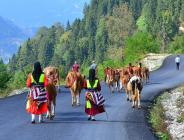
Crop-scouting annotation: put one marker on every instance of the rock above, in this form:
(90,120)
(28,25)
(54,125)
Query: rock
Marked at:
(154,61)
(172,112)
(17,92)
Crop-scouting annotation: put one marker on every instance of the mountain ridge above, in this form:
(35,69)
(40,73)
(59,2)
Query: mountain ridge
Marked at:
(11,37)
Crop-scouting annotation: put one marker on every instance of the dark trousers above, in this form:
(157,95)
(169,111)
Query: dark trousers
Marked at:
(177,66)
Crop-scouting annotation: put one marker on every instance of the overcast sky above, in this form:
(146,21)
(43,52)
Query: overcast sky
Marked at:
(34,13)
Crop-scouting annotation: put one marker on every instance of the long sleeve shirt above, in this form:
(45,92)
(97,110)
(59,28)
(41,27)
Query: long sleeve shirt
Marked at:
(29,80)
(98,85)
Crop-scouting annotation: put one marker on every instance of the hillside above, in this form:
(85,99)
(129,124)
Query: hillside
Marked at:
(112,32)
(11,36)
(9,29)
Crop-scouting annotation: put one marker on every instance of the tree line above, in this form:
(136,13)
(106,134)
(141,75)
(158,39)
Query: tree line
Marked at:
(112,32)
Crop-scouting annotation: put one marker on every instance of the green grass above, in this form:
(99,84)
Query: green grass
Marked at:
(4,93)
(180,102)
(180,119)
(157,120)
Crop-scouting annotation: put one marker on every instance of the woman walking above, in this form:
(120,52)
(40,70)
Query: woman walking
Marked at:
(94,99)
(37,99)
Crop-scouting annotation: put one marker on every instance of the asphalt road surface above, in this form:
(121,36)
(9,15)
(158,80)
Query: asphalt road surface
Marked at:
(70,123)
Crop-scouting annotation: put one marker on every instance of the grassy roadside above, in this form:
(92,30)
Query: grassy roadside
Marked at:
(173,103)
(157,119)
(5,92)
(180,104)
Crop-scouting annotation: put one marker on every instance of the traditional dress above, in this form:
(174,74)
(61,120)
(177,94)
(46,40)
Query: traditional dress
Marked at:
(94,99)
(37,97)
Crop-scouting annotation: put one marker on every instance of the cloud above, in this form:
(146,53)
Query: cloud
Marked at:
(58,15)
(76,6)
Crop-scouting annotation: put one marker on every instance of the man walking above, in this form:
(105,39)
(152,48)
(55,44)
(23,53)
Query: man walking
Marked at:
(94,67)
(177,61)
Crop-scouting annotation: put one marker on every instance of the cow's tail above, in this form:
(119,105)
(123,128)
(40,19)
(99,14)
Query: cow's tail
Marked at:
(133,87)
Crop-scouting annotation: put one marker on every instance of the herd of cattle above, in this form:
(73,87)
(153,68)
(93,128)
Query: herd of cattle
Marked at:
(130,79)
(116,79)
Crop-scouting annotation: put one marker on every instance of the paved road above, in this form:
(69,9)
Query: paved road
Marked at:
(124,123)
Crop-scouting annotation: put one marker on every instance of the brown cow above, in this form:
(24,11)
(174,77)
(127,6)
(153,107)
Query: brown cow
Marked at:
(112,79)
(137,71)
(145,74)
(52,74)
(106,73)
(124,78)
(74,81)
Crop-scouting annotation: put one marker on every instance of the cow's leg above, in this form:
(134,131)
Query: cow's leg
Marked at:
(130,96)
(72,94)
(53,106)
(48,116)
(116,85)
(73,98)
(120,85)
(78,99)
(112,87)
(73,102)
(52,110)
(127,94)
(129,89)
(133,101)
(139,101)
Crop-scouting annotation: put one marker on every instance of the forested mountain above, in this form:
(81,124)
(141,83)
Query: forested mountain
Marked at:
(118,30)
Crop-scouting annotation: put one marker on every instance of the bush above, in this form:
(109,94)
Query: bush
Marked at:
(177,46)
(4,76)
(157,118)
(138,45)
(180,119)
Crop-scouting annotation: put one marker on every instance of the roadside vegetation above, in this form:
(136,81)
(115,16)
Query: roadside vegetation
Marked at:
(180,104)
(167,115)
(157,119)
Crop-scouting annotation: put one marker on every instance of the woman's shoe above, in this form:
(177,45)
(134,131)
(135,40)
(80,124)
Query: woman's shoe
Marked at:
(41,121)
(33,122)
(89,118)
(93,118)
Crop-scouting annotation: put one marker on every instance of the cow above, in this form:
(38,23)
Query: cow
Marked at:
(124,78)
(52,74)
(74,81)
(134,88)
(112,79)
(145,74)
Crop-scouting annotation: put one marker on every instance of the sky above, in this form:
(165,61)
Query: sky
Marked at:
(36,13)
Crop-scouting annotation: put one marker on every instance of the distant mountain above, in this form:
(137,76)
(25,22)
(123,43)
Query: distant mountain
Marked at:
(36,13)
(11,36)
(9,30)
